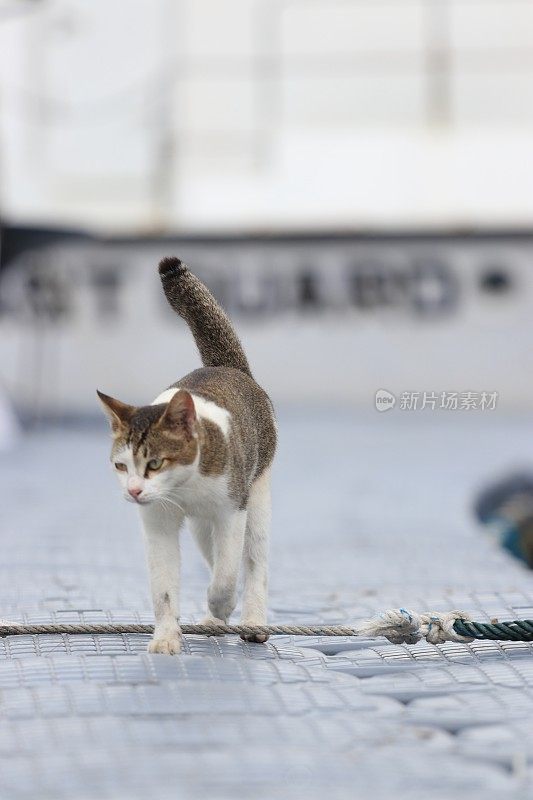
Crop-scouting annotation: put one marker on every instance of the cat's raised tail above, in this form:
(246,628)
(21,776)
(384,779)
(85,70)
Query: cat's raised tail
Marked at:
(215,337)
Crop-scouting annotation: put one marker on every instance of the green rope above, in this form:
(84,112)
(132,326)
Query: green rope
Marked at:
(518,630)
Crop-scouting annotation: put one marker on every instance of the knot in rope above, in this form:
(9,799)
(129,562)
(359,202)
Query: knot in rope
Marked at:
(401,626)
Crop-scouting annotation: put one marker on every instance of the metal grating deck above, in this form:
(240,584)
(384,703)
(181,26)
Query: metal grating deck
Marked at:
(97,717)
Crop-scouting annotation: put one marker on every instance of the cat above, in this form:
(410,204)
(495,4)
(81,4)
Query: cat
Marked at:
(201,452)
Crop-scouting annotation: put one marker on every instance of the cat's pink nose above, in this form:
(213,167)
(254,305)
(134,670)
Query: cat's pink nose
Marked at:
(135,492)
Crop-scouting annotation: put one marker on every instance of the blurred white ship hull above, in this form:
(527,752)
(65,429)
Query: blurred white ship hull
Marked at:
(323,320)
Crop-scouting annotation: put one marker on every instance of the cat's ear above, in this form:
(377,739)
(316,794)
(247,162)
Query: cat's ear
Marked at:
(179,414)
(119,413)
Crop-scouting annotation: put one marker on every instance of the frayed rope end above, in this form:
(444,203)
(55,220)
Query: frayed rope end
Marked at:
(401,626)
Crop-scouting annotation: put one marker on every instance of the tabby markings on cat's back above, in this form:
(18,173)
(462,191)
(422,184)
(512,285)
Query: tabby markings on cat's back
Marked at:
(205,409)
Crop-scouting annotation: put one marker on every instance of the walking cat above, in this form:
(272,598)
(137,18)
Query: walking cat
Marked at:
(201,452)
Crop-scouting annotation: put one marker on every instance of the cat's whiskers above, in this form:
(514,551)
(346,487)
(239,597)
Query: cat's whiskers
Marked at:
(164,504)
(169,499)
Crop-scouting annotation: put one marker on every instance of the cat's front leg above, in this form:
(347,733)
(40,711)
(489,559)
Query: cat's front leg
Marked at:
(161,530)
(227,547)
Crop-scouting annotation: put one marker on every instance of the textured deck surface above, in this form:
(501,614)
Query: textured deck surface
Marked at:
(369,513)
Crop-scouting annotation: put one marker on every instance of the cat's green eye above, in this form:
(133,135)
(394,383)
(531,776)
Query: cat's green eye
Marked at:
(120,466)
(155,464)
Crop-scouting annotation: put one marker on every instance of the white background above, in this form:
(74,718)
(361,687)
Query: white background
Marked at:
(182,114)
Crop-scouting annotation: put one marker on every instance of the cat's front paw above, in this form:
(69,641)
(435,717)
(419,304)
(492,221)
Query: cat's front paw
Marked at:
(260,638)
(168,644)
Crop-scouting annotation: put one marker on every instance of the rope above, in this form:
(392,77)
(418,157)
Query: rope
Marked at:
(519,630)
(398,625)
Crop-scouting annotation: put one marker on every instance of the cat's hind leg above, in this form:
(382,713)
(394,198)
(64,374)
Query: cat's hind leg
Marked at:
(256,545)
